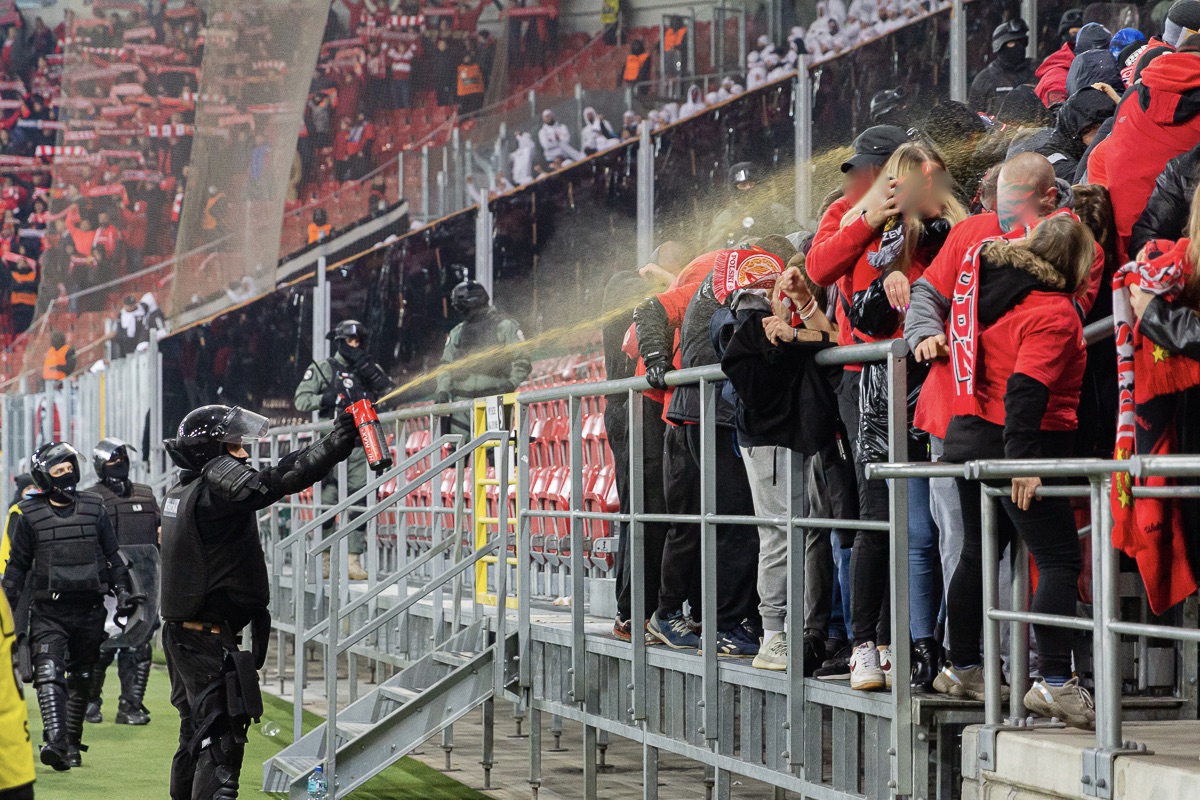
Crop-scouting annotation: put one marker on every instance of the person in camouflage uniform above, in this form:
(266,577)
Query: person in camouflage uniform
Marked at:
(328,387)
(482,330)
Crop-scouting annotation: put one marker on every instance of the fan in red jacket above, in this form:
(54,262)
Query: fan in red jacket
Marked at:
(1052,75)
(1155,123)
(1016,346)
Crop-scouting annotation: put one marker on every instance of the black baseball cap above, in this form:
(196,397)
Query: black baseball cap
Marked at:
(875,146)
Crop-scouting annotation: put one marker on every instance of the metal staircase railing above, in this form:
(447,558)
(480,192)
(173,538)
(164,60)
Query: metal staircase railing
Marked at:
(339,629)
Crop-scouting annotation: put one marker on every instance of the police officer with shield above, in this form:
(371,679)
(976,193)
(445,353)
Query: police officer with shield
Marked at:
(214,583)
(133,511)
(481,356)
(65,545)
(327,388)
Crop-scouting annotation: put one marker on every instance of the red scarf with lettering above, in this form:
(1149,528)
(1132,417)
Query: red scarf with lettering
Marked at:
(1150,530)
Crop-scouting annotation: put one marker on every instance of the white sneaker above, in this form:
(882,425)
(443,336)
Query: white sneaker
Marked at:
(773,655)
(865,673)
(885,664)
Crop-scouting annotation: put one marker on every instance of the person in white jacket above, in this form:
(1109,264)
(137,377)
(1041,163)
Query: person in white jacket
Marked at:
(694,104)
(522,159)
(597,134)
(556,139)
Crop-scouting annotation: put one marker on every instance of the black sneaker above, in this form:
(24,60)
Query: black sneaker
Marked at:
(836,668)
(673,631)
(814,653)
(736,643)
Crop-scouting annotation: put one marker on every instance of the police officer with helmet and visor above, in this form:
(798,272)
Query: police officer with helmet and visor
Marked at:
(134,514)
(214,583)
(484,346)
(328,387)
(66,553)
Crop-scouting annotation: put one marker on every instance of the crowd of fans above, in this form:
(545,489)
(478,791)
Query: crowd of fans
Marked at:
(987,235)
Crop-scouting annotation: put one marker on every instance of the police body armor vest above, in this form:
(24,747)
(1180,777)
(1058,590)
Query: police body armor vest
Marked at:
(67,555)
(135,517)
(201,573)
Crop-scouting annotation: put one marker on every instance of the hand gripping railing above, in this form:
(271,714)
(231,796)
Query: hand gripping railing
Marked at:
(336,644)
(893,353)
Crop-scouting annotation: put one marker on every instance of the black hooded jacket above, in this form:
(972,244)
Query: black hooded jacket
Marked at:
(1166,212)
(997,80)
(1085,109)
(1094,66)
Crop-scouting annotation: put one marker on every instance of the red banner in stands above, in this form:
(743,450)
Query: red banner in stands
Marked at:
(138,34)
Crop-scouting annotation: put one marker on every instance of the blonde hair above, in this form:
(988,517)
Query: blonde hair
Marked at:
(1193,251)
(910,158)
(1067,245)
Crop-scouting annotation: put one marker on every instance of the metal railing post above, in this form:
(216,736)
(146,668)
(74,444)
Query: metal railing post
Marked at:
(578,589)
(426,211)
(958,52)
(502,565)
(484,265)
(1029,12)
(645,196)
(802,115)
(524,555)
(902,728)
(638,612)
(708,560)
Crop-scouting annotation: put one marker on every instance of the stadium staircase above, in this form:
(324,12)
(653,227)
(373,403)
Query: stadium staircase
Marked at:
(391,721)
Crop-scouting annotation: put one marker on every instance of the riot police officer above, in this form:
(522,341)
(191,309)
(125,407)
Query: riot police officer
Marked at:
(214,583)
(328,387)
(134,513)
(482,346)
(750,213)
(64,543)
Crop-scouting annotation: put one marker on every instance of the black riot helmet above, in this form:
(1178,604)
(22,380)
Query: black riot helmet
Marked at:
(469,297)
(205,432)
(1015,30)
(349,329)
(117,452)
(48,473)
(741,172)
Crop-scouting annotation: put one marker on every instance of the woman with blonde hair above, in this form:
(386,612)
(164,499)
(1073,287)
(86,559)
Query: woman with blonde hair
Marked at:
(884,243)
(1018,376)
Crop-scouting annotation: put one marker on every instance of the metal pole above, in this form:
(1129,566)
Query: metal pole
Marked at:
(579,106)
(484,267)
(460,186)
(958,52)
(154,379)
(802,113)
(902,728)
(533,112)
(710,729)
(320,324)
(1108,672)
(425,211)
(637,553)
(1029,14)
(399,176)
(645,196)
(662,57)
(444,182)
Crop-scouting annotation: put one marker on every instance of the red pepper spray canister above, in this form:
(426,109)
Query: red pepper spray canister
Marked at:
(371,433)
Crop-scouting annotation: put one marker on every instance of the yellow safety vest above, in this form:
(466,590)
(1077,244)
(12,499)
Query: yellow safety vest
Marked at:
(16,750)
(608,12)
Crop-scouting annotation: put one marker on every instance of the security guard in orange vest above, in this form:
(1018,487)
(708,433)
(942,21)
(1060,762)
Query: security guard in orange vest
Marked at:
(22,298)
(214,214)
(675,54)
(60,358)
(470,85)
(319,228)
(637,66)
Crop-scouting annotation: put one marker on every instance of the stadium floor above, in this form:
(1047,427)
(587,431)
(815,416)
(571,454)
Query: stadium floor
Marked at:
(133,763)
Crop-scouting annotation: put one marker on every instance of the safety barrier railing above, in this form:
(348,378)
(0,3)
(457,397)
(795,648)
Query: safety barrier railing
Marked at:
(1105,625)
(716,715)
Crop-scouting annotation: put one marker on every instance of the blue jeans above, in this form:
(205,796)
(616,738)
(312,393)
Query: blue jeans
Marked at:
(924,563)
(840,619)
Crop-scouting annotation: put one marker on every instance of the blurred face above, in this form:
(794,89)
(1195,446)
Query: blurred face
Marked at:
(857,181)
(1019,203)
(922,191)
(237,451)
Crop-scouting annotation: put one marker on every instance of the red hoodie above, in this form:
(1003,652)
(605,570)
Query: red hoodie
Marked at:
(1154,124)
(1052,76)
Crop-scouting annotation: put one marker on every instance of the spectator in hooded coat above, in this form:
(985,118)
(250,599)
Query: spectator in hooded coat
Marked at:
(1078,121)
(1157,122)
(1166,212)
(1052,73)
(1092,67)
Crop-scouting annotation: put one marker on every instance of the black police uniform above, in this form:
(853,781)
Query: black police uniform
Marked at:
(134,513)
(214,584)
(69,554)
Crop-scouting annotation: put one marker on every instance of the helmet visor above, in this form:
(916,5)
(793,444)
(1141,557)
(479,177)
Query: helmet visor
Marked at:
(241,427)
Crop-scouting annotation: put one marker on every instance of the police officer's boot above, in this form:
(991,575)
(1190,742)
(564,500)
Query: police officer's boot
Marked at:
(52,701)
(218,767)
(135,672)
(96,698)
(79,686)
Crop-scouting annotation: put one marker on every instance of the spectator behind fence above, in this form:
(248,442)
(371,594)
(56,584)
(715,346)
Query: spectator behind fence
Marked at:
(319,228)
(23,290)
(470,85)
(60,358)
(1016,395)
(767,342)
(624,290)
(1008,69)
(881,244)
(1158,122)
(555,139)
(130,329)
(1052,72)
